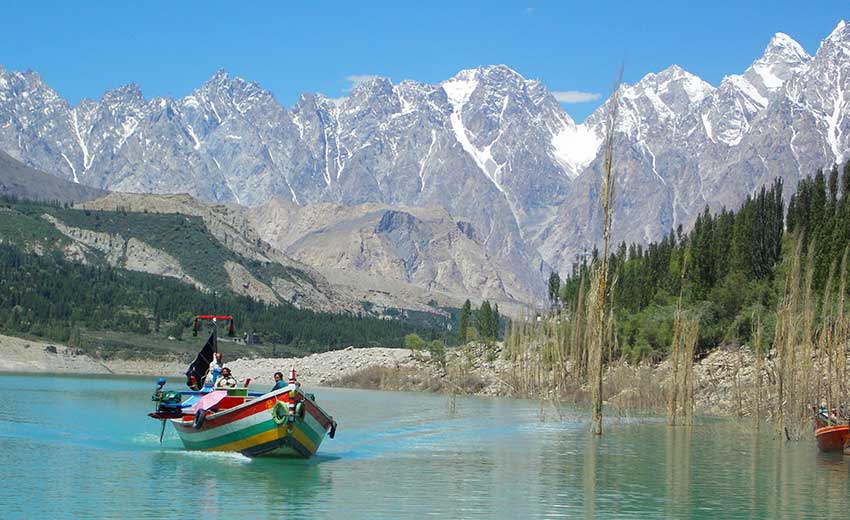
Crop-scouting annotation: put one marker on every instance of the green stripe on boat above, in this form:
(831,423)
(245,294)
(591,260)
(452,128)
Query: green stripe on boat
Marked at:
(248,432)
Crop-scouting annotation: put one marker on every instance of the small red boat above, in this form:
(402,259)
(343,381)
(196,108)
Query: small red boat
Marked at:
(832,438)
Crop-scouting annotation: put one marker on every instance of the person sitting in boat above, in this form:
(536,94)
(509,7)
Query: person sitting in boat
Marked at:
(278,382)
(214,370)
(226,379)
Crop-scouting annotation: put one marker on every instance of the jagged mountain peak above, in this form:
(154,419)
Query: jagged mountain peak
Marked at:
(496,88)
(30,79)
(30,75)
(495,70)
(841,32)
(782,58)
(671,81)
(129,93)
(373,82)
(837,45)
(782,46)
(223,95)
(223,84)
(663,97)
(26,87)
(220,76)
(319,100)
(377,86)
(305,99)
(222,81)
(500,72)
(492,77)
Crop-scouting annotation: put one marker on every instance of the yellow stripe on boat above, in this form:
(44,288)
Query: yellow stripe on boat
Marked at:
(267,436)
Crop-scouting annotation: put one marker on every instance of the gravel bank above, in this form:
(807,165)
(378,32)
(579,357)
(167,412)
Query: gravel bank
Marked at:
(723,381)
(323,368)
(25,355)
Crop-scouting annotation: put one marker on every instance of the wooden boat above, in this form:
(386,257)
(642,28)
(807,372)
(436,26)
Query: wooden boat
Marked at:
(283,422)
(832,438)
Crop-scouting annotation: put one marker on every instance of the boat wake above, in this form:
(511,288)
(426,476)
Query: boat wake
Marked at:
(147,439)
(219,456)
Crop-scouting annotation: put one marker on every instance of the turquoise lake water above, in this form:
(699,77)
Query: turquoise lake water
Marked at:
(78,447)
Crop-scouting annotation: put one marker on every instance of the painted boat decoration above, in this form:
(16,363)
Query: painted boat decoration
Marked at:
(282,422)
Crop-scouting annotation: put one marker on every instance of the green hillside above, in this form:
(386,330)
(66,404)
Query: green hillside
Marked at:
(184,237)
(112,311)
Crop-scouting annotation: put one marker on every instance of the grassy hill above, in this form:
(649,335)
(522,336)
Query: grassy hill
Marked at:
(185,238)
(62,277)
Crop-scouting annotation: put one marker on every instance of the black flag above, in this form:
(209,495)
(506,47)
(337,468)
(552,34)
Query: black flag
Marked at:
(198,369)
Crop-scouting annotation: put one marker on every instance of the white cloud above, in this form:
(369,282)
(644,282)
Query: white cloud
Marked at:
(575,96)
(357,79)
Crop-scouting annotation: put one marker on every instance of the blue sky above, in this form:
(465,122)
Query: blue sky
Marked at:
(82,49)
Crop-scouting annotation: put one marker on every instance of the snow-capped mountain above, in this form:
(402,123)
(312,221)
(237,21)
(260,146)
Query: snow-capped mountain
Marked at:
(683,144)
(489,146)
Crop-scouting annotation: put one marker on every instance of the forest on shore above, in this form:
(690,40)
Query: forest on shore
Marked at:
(45,295)
(729,270)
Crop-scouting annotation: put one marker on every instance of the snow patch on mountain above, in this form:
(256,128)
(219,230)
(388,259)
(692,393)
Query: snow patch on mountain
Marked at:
(575,147)
(459,88)
(747,88)
(458,91)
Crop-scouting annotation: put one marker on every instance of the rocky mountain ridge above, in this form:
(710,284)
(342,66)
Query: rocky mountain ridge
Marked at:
(422,247)
(254,234)
(488,146)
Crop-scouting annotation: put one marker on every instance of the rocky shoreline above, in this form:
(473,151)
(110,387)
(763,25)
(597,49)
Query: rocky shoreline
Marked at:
(723,379)
(29,356)
(323,369)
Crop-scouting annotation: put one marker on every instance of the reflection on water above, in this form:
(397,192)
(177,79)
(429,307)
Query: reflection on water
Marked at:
(677,447)
(86,449)
(589,481)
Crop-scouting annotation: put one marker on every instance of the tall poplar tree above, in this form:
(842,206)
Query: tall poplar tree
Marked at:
(554,289)
(463,327)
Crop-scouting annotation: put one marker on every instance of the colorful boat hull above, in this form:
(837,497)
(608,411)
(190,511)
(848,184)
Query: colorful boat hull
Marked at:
(254,429)
(832,438)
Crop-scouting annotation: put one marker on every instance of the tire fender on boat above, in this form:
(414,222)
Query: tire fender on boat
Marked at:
(332,433)
(200,417)
(299,410)
(279,413)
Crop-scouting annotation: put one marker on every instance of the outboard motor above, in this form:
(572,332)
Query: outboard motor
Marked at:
(168,404)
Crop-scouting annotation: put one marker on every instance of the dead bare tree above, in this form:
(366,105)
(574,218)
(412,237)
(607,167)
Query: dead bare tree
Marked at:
(607,199)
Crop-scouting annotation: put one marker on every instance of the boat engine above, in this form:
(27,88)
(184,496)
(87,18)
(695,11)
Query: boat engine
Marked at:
(168,404)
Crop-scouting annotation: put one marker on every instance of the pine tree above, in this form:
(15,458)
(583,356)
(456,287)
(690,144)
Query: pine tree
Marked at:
(485,321)
(463,327)
(496,321)
(554,288)
(845,182)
